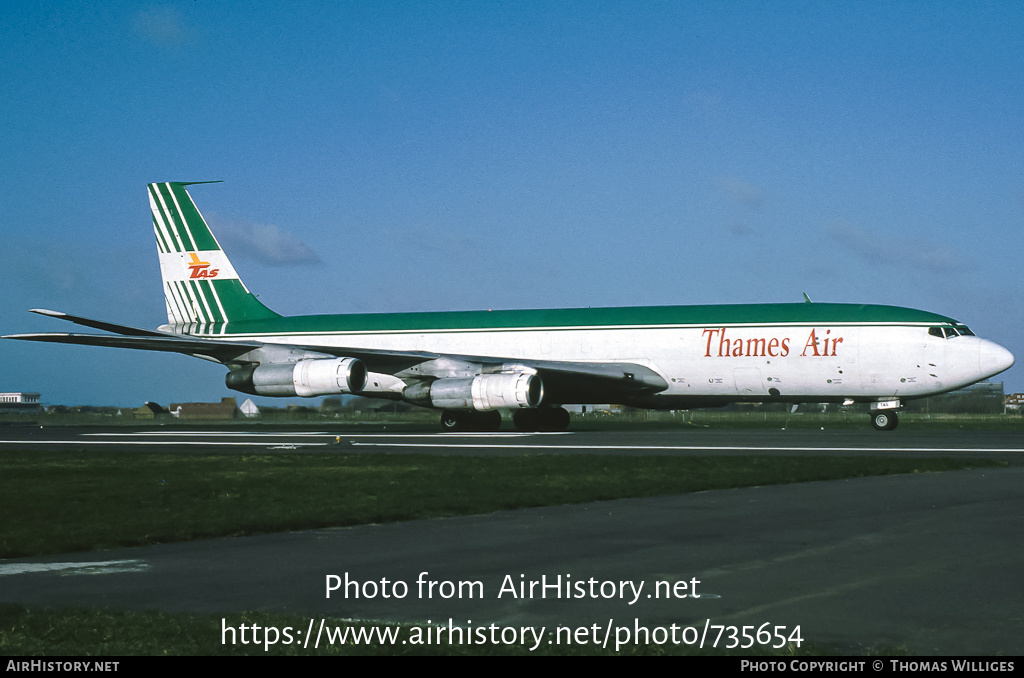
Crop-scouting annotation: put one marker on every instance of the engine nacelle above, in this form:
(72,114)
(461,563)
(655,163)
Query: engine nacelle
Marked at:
(483,392)
(305,378)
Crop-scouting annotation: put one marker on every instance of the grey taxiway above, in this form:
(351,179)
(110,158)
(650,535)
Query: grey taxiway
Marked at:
(931,563)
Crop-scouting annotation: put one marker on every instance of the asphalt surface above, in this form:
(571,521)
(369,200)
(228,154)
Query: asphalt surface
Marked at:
(931,563)
(1006,446)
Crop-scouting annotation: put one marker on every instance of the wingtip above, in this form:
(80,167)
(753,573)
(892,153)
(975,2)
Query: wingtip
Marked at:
(34,336)
(44,311)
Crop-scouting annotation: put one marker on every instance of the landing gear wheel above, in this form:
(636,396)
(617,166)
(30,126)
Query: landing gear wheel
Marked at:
(453,421)
(884,420)
(487,421)
(526,420)
(551,419)
(554,419)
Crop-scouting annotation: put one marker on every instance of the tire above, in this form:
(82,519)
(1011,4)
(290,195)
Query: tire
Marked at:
(487,421)
(455,421)
(452,421)
(554,419)
(884,420)
(526,420)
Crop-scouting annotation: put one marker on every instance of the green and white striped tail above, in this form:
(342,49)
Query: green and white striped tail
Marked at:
(200,284)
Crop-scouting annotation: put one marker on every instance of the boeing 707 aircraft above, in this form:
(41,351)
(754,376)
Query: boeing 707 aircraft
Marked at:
(472,365)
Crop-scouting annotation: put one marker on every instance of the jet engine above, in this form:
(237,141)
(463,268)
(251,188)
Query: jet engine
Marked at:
(304,378)
(483,392)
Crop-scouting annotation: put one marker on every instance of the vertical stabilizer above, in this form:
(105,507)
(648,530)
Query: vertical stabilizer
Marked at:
(200,284)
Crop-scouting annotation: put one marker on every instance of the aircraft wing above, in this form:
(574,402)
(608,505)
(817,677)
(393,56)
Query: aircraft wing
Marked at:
(221,350)
(563,380)
(224,350)
(218,350)
(602,382)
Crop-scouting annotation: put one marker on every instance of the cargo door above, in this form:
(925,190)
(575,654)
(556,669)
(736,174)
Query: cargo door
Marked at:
(748,381)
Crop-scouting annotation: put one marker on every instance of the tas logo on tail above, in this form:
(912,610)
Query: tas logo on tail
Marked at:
(201,269)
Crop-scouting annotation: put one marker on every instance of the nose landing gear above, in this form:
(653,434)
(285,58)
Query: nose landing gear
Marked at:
(884,420)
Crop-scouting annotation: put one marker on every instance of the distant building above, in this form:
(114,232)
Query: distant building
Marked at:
(22,398)
(590,409)
(149,411)
(19,402)
(227,408)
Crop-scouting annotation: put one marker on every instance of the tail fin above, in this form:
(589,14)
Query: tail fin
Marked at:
(200,284)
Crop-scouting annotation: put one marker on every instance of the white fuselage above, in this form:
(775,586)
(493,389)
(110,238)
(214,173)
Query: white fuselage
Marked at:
(783,361)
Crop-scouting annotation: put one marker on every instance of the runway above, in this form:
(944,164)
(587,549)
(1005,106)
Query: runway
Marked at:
(928,562)
(1004,445)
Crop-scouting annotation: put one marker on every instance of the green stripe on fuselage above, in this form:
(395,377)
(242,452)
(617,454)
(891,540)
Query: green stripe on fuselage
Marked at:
(562,319)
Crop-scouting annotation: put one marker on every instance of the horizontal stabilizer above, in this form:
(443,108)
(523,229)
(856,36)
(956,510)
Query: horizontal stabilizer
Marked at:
(100,324)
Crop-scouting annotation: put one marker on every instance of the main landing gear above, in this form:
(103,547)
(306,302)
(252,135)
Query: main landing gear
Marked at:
(534,419)
(470,420)
(884,420)
(541,419)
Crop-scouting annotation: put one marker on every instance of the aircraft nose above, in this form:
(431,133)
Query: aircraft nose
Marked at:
(994,358)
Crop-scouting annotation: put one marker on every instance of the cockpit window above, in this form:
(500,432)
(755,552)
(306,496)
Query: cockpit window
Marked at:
(950,332)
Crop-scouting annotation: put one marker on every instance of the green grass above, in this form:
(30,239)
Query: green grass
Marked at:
(53,502)
(59,502)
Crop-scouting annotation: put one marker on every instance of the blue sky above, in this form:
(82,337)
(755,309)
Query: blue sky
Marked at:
(410,156)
